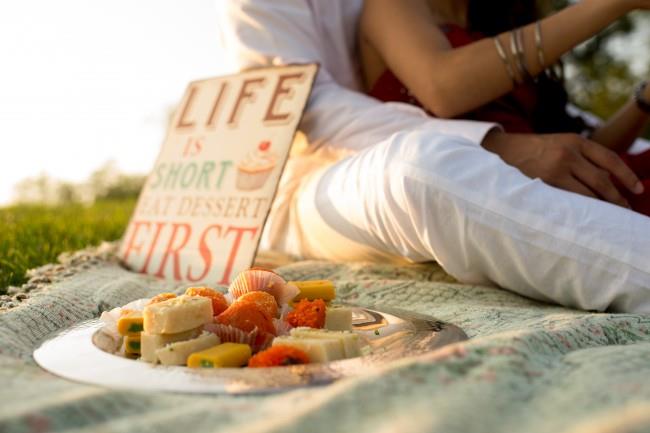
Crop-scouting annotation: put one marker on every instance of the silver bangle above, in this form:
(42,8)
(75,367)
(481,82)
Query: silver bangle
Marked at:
(538,44)
(514,51)
(521,58)
(504,58)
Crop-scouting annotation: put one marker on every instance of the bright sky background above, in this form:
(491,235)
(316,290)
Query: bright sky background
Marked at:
(86,81)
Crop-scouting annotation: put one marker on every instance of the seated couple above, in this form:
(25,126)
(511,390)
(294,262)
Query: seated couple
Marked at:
(513,197)
(471,59)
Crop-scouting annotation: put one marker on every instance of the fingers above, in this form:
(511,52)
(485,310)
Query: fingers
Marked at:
(611,162)
(574,185)
(599,181)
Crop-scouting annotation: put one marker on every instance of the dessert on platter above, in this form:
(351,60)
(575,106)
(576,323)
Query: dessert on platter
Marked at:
(262,321)
(201,340)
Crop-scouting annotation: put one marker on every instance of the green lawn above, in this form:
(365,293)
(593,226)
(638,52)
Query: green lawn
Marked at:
(33,235)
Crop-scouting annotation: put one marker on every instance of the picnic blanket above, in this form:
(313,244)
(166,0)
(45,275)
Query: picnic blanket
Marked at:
(527,367)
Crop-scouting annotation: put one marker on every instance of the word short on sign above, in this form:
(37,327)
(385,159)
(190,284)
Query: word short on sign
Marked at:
(201,212)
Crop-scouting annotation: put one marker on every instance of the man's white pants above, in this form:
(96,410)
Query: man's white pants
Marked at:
(423,196)
(415,189)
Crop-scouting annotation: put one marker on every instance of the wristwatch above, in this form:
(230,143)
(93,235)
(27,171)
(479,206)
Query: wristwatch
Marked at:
(641,102)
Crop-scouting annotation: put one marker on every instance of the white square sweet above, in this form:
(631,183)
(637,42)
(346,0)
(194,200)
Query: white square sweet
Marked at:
(349,341)
(338,319)
(177,315)
(318,350)
(149,343)
(177,353)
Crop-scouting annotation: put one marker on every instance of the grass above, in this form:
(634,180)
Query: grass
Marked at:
(33,235)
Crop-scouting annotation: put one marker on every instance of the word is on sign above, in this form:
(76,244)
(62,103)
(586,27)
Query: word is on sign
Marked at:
(201,212)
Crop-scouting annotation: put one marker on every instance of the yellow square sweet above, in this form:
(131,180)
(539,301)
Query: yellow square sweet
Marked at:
(221,356)
(315,289)
(132,345)
(130,323)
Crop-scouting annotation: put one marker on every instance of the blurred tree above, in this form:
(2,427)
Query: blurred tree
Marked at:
(107,182)
(125,186)
(41,189)
(68,192)
(101,179)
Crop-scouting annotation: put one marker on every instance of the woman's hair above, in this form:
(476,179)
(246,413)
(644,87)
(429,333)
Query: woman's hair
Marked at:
(497,16)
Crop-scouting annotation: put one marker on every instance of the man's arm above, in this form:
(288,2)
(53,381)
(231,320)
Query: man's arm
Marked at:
(567,161)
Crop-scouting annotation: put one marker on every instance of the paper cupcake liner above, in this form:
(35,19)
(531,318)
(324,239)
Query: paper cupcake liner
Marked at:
(282,327)
(262,342)
(290,291)
(284,310)
(229,334)
(110,317)
(263,280)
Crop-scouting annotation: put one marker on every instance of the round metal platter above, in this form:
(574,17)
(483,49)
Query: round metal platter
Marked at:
(84,353)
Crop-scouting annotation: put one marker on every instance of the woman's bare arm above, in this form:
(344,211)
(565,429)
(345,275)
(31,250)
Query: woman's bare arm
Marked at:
(450,82)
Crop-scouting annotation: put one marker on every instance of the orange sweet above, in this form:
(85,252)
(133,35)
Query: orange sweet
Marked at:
(161,297)
(308,313)
(219,303)
(263,300)
(247,316)
(278,356)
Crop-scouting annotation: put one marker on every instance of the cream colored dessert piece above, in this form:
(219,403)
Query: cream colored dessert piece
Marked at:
(149,343)
(349,341)
(338,319)
(177,353)
(177,315)
(318,349)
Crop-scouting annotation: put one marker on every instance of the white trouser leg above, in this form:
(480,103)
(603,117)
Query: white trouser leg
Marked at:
(424,196)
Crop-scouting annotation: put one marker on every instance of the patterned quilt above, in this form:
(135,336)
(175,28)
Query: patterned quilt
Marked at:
(527,367)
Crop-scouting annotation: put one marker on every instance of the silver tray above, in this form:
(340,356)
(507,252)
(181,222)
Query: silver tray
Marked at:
(83,353)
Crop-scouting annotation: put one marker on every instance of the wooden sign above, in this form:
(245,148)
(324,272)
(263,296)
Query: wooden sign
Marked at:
(200,215)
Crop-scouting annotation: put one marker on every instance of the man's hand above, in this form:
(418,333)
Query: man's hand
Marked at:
(566,161)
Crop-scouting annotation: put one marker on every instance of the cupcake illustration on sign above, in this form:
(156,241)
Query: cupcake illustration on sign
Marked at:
(255,168)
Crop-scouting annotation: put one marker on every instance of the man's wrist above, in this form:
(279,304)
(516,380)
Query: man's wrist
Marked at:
(642,97)
(494,140)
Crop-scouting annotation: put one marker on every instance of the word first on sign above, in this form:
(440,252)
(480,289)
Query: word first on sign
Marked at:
(200,214)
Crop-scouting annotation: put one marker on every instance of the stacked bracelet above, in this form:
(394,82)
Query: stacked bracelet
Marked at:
(538,44)
(514,52)
(504,58)
(521,59)
(517,68)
